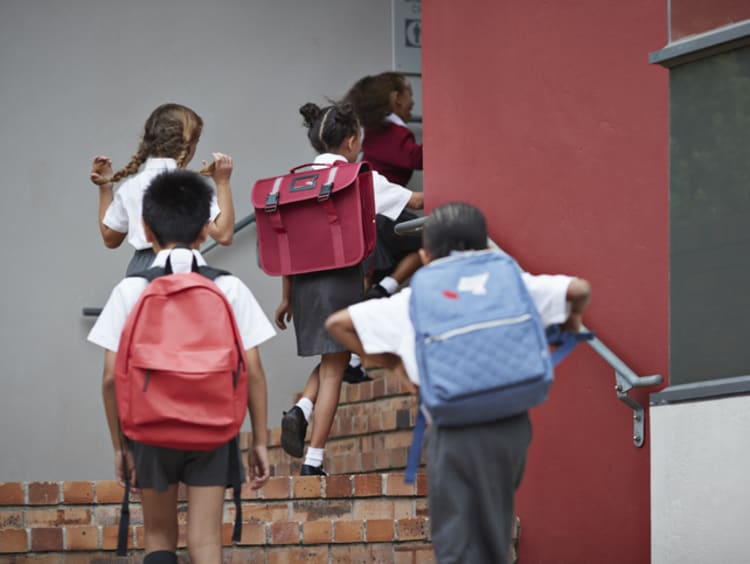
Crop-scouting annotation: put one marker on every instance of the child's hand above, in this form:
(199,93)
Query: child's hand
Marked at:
(101,170)
(220,170)
(416,201)
(283,314)
(573,323)
(125,469)
(406,383)
(257,463)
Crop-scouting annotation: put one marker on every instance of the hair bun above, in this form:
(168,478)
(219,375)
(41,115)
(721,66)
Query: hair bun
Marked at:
(310,112)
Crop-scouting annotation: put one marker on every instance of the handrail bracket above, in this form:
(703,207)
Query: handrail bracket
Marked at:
(622,387)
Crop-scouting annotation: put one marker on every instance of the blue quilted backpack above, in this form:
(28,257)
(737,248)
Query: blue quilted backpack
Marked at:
(482,351)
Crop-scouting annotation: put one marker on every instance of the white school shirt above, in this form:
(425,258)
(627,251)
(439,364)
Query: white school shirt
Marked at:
(384,325)
(124,213)
(252,323)
(393,118)
(390,198)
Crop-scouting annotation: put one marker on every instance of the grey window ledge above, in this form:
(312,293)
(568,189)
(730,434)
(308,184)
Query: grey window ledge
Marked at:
(710,389)
(704,45)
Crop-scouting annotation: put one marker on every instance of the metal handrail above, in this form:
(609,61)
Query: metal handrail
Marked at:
(238,226)
(625,378)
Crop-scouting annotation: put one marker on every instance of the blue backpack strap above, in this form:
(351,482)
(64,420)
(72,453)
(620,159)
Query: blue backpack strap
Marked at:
(565,341)
(415,450)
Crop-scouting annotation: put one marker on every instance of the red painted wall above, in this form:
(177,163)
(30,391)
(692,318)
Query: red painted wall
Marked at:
(548,116)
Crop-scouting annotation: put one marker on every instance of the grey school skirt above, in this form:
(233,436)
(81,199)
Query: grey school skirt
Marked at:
(317,295)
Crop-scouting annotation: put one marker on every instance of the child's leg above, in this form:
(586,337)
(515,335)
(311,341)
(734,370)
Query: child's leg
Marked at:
(313,384)
(160,519)
(331,373)
(406,267)
(390,284)
(294,422)
(205,517)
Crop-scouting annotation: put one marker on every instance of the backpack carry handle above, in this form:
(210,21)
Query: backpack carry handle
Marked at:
(310,165)
(168,264)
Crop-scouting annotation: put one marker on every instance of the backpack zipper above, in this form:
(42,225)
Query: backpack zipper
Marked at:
(476,327)
(146,381)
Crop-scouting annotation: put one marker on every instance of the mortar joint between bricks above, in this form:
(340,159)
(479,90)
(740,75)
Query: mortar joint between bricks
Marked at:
(25,490)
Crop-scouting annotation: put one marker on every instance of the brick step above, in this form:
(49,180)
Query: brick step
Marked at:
(368,517)
(371,432)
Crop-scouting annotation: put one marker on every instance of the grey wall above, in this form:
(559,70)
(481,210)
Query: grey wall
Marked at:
(699,486)
(79,78)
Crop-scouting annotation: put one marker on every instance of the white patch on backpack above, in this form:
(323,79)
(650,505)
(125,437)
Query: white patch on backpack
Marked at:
(477,284)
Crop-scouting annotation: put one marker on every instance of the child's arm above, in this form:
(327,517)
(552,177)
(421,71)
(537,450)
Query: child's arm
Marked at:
(341,326)
(416,201)
(101,172)
(284,312)
(124,466)
(221,229)
(257,458)
(578,296)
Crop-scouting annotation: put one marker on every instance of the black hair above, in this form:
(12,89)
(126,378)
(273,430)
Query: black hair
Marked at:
(328,127)
(176,206)
(456,226)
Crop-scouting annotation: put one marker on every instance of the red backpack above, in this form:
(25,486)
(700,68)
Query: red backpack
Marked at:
(180,372)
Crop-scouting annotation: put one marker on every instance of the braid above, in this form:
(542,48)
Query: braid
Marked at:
(182,157)
(132,167)
(170,131)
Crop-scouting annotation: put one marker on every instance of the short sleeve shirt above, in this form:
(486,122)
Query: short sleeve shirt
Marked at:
(384,325)
(254,326)
(124,213)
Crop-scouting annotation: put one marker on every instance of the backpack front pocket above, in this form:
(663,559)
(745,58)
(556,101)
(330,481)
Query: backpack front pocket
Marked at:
(195,388)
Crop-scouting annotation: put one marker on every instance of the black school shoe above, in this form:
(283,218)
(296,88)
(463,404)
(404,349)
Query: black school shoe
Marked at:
(308,470)
(376,291)
(355,375)
(293,431)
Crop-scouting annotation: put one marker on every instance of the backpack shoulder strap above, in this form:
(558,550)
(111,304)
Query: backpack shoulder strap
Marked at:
(212,273)
(150,273)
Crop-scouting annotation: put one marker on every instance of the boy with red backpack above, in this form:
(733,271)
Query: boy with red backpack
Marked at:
(181,365)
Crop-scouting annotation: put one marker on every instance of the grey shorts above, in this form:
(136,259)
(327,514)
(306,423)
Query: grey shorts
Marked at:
(472,476)
(158,467)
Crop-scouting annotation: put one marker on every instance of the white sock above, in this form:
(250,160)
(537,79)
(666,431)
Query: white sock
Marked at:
(389,284)
(306,406)
(314,457)
(355,361)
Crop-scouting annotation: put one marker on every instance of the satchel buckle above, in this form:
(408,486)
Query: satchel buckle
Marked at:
(325,192)
(272,202)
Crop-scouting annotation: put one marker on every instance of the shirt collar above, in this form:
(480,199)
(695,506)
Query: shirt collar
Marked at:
(393,118)
(181,259)
(328,158)
(154,163)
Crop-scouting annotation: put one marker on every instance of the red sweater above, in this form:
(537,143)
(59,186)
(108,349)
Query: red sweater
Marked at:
(393,152)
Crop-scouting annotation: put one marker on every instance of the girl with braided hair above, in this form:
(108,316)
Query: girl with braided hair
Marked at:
(169,140)
(308,299)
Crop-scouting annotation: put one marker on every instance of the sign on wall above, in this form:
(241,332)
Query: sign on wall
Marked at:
(407,36)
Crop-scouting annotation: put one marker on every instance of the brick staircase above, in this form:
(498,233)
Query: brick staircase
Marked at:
(362,512)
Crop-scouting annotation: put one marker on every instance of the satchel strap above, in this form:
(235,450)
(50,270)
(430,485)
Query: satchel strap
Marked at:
(272,200)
